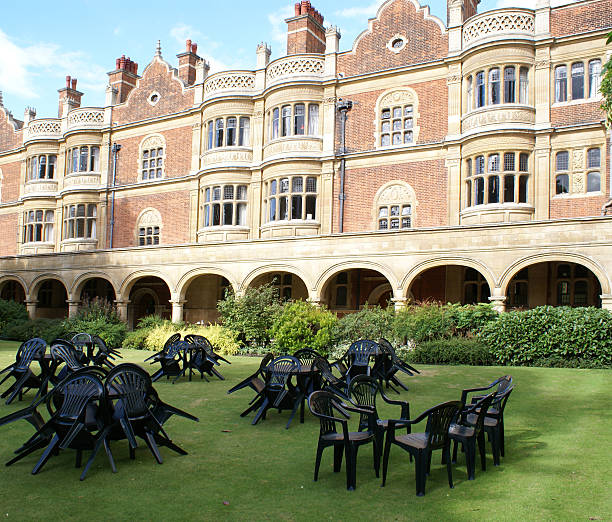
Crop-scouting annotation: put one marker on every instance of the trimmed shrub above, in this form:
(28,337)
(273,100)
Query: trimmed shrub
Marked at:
(458,350)
(551,333)
(12,312)
(136,339)
(371,322)
(250,315)
(98,317)
(47,329)
(303,325)
(470,319)
(423,322)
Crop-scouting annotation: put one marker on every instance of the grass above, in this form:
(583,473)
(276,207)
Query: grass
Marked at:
(558,441)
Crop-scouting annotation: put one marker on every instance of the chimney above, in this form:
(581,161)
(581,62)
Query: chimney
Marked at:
(459,11)
(305,31)
(29,115)
(69,97)
(187,63)
(123,78)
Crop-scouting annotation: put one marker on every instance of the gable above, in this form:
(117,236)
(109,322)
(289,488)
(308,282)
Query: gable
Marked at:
(9,129)
(422,38)
(160,79)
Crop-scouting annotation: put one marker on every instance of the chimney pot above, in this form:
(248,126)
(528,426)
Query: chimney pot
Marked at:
(74,84)
(188,45)
(194,48)
(118,63)
(67,82)
(297,9)
(122,62)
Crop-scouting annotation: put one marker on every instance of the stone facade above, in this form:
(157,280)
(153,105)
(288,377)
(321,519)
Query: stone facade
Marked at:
(472,166)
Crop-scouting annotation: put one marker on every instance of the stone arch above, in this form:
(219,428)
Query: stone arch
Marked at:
(81,280)
(34,286)
(395,192)
(4,280)
(180,290)
(328,274)
(130,280)
(347,287)
(254,274)
(579,259)
(418,269)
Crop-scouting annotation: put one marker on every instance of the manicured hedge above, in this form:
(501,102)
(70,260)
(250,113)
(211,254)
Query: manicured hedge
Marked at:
(546,335)
(458,350)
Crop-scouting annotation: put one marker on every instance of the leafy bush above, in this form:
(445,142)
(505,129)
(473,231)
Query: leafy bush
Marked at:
(371,322)
(223,340)
(250,315)
(150,321)
(303,325)
(458,350)
(562,333)
(470,319)
(12,312)
(47,329)
(98,317)
(423,322)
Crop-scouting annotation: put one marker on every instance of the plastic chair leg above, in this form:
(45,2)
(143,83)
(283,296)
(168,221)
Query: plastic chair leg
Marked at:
(318,461)
(46,455)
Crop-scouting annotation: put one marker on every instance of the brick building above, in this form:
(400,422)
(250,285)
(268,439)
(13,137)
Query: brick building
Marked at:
(462,161)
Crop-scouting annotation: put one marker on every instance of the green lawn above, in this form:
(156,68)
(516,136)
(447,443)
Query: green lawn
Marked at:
(558,443)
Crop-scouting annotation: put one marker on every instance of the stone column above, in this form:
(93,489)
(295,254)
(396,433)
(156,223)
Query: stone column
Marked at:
(399,303)
(73,307)
(31,305)
(177,310)
(498,302)
(606,302)
(122,309)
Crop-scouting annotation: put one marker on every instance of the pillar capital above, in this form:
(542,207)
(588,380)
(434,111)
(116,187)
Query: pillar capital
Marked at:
(498,302)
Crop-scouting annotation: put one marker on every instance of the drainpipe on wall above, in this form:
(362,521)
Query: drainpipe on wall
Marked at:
(343,106)
(115,149)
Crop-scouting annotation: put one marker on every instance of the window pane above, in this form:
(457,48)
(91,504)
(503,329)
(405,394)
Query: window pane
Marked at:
(593,182)
(228,192)
(241,214)
(286,121)
(283,211)
(509,161)
(563,160)
(523,189)
(51,166)
(383,212)
(523,85)
(494,189)
(594,158)
(272,205)
(508,189)
(480,89)
(228,211)
(480,165)
(241,192)
(230,140)
(284,185)
(562,184)
(95,159)
(83,156)
(297,184)
(296,207)
(509,85)
(311,207)
(311,184)
(561,83)
(313,119)
(494,87)
(245,129)
(479,188)
(594,78)
(524,162)
(275,114)
(494,163)
(216,214)
(299,112)
(219,132)
(577,81)
(273,187)
(216,193)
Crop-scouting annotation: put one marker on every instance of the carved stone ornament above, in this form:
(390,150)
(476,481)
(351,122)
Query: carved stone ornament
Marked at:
(150,217)
(578,157)
(542,64)
(395,194)
(397,97)
(578,183)
(153,142)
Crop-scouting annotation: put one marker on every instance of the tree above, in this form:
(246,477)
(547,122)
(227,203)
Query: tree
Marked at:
(606,85)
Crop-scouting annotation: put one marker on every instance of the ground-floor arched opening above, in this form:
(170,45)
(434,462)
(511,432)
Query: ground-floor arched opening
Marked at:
(450,283)
(97,288)
(555,283)
(12,290)
(288,285)
(52,300)
(349,290)
(149,295)
(202,296)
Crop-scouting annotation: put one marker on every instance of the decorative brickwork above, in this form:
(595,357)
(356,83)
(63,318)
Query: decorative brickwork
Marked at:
(9,131)
(426,41)
(572,114)
(160,78)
